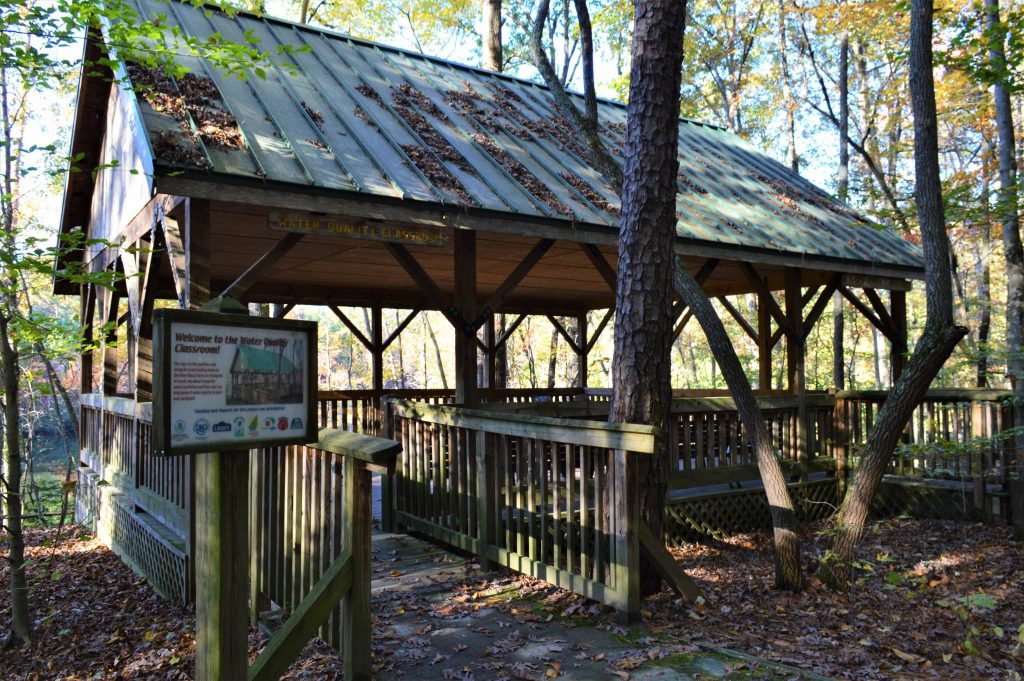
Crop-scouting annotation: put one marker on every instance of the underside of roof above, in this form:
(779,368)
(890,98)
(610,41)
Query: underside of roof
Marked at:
(338,114)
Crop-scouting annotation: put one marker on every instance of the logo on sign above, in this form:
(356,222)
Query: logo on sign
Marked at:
(296,424)
(282,423)
(201,428)
(239,426)
(222,427)
(179,429)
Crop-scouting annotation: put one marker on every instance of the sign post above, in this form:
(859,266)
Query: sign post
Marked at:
(226,383)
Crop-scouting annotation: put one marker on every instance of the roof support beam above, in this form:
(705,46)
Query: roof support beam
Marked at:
(412,267)
(819,306)
(600,264)
(509,330)
(245,281)
(351,327)
(867,312)
(600,328)
(564,334)
(765,295)
(393,336)
(511,281)
(738,316)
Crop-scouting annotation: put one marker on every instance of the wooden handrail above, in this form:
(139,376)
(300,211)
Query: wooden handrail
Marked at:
(626,436)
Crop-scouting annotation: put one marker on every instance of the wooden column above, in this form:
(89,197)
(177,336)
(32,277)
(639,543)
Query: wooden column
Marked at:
(355,606)
(464,242)
(111,302)
(797,379)
(582,360)
(222,566)
(764,346)
(898,312)
(490,340)
(197,244)
(87,310)
(377,347)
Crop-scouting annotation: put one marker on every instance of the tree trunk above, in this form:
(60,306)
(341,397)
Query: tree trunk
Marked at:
(792,159)
(1009,217)
(437,351)
(492,56)
(940,336)
(641,368)
(552,358)
(788,572)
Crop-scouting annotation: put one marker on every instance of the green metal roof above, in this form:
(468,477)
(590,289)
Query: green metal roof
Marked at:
(358,117)
(260,361)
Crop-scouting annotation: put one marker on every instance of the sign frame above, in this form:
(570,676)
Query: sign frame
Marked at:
(163,322)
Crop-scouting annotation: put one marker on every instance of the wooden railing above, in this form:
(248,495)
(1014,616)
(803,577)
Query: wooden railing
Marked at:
(553,498)
(310,518)
(956,434)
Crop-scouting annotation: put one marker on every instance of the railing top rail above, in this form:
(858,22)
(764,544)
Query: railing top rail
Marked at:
(935,395)
(375,450)
(628,436)
(123,406)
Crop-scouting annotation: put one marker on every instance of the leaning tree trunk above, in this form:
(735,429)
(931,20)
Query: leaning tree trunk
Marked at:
(788,572)
(641,368)
(1008,210)
(941,334)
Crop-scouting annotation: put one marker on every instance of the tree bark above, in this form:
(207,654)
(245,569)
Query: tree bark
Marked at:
(792,159)
(941,334)
(788,571)
(493,60)
(641,367)
(1007,206)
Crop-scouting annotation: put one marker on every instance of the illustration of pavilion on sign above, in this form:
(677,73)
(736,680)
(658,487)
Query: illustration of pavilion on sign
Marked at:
(261,376)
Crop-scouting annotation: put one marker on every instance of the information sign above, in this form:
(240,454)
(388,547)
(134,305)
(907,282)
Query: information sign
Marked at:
(226,381)
(335,225)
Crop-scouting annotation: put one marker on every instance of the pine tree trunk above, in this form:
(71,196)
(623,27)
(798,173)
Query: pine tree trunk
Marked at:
(1010,219)
(641,369)
(940,336)
(788,571)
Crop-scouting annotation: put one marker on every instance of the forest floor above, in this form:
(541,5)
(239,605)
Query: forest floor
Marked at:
(934,599)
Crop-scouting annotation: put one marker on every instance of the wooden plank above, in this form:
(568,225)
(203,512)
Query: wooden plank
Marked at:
(564,334)
(464,254)
(765,295)
(238,288)
(197,241)
(866,312)
(427,286)
(600,328)
(375,450)
(632,437)
(654,551)
(350,325)
(292,637)
(393,336)
(738,316)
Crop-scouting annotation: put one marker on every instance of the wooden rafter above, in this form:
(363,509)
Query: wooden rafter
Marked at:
(511,281)
(738,316)
(419,275)
(681,325)
(600,264)
(564,334)
(283,311)
(804,299)
(600,328)
(867,312)
(819,306)
(244,282)
(351,327)
(175,243)
(393,336)
(765,295)
(880,309)
(509,330)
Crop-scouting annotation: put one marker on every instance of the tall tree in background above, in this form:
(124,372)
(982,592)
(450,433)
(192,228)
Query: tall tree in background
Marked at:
(493,60)
(941,333)
(1013,252)
(641,391)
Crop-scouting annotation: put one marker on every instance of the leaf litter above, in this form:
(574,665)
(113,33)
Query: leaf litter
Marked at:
(933,600)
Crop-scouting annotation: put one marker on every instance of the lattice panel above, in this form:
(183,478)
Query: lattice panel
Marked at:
(163,564)
(87,497)
(725,513)
(923,501)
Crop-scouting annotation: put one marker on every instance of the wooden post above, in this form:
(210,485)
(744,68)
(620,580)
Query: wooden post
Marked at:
(110,301)
(464,243)
(485,519)
(795,365)
(978,455)
(197,244)
(377,351)
(764,346)
(222,566)
(582,360)
(490,340)
(355,606)
(88,305)
(626,537)
(898,356)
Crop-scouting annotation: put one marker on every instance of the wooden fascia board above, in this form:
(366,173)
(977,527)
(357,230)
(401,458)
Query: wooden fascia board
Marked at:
(295,197)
